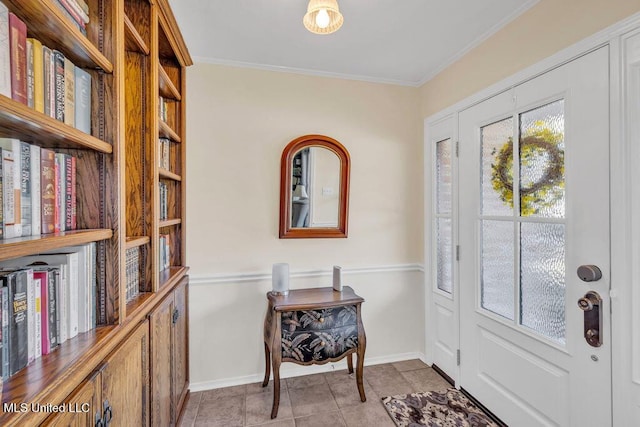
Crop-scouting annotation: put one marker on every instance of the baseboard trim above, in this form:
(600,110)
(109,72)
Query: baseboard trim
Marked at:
(290,370)
(256,277)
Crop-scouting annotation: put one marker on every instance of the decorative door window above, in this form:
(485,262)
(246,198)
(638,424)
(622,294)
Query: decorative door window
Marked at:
(443,216)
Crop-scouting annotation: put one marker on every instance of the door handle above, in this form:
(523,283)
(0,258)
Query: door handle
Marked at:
(591,305)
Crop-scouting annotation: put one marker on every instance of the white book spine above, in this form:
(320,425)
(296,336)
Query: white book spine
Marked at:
(31,317)
(72,296)
(62,291)
(13,145)
(8,199)
(36,223)
(5,62)
(38,317)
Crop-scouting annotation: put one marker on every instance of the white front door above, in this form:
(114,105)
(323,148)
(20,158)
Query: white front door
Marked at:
(533,208)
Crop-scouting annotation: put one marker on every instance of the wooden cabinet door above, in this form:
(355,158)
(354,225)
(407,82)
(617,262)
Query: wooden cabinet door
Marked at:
(181,345)
(81,407)
(160,323)
(125,380)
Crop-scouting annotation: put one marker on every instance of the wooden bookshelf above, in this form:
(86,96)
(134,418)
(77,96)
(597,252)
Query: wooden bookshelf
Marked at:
(134,53)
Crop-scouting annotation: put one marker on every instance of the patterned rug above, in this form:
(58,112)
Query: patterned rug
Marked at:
(448,408)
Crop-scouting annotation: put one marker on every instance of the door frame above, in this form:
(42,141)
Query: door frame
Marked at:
(624,348)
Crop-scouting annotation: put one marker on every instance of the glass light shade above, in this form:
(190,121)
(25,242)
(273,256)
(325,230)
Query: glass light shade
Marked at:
(315,20)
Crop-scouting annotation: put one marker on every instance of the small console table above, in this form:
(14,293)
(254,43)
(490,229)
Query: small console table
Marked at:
(313,326)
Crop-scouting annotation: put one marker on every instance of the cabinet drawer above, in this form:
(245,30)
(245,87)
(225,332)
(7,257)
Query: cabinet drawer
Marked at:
(317,335)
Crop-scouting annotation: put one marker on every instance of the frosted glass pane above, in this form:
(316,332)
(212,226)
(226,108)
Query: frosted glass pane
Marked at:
(542,279)
(542,161)
(497,168)
(444,261)
(443,176)
(497,267)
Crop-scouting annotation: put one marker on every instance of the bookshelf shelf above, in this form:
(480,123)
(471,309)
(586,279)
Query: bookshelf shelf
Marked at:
(46,23)
(133,40)
(169,222)
(163,173)
(22,246)
(134,242)
(19,121)
(166,86)
(171,275)
(166,131)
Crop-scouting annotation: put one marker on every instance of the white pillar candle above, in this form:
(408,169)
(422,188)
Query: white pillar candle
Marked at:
(337,278)
(280,278)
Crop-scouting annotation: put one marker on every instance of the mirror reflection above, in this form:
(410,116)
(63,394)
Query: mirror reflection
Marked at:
(315,187)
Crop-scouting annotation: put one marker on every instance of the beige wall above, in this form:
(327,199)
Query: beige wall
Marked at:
(545,29)
(239,121)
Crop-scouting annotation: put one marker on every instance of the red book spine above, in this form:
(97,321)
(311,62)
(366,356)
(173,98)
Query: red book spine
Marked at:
(72,12)
(44,309)
(68,192)
(57,186)
(18,58)
(47,189)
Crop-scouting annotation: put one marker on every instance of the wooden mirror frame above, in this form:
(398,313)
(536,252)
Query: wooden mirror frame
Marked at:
(286,231)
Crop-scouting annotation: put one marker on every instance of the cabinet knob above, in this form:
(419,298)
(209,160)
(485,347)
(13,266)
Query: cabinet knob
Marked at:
(176,315)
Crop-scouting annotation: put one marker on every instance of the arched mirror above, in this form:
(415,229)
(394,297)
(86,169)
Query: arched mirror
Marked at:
(314,188)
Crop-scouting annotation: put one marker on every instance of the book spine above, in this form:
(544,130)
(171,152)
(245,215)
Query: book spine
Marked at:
(5,53)
(41,276)
(38,317)
(36,218)
(77,11)
(8,205)
(27,275)
(18,57)
(54,307)
(94,285)
(18,339)
(70,11)
(63,305)
(68,192)
(49,82)
(69,93)
(74,198)
(38,75)
(2,207)
(30,74)
(25,188)
(83,5)
(59,84)
(72,295)
(47,190)
(5,332)
(60,192)
(83,100)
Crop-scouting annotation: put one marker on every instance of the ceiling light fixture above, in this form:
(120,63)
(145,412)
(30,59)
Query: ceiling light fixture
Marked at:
(323,17)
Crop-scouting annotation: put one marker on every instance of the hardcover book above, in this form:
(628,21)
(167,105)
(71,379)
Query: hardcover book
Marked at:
(69,191)
(18,333)
(5,331)
(49,82)
(69,93)
(36,219)
(48,189)
(60,212)
(14,225)
(37,286)
(18,57)
(25,188)
(83,100)
(58,61)
(8,200)
(30,74)
(38,75)
(5,59)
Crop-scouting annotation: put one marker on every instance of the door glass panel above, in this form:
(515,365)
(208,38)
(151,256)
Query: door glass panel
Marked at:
(497,168)
(444,261)
(542,161)
(542,279)
(497,291)
(443,176)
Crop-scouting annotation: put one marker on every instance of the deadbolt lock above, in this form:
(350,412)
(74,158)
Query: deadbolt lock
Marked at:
(591,304)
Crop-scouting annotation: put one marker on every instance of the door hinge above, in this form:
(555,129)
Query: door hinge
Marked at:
(457,148)
(457,252)
(458,357)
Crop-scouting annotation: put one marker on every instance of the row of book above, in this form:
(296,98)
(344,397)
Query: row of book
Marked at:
(76,11)
(132,261)
(164,203)
(45,300)
(40,77)
(37,190)
(165,252)
(164,150)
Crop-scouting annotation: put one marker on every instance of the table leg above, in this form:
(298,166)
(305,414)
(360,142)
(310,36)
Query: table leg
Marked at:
(276,388)
(359,373)
(267,369)
(350,363)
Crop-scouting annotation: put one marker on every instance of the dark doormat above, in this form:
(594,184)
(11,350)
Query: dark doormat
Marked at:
(436,409)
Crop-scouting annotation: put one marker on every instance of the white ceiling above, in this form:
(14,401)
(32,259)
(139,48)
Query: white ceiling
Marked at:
(395,41)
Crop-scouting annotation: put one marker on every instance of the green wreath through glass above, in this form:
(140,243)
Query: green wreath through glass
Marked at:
(545,191)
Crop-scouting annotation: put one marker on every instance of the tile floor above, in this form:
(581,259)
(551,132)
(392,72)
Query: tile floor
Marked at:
(329,399)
